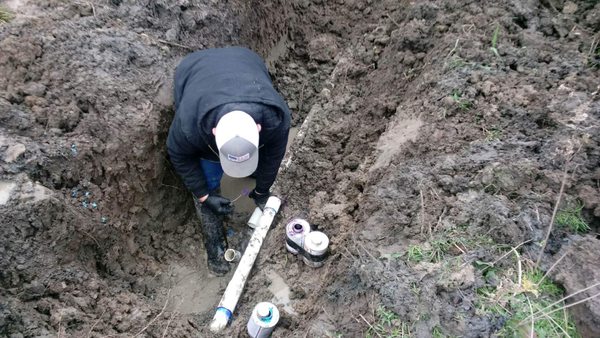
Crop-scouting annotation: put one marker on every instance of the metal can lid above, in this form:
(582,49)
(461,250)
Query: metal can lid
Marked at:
(263,311)
(298,225)
(316,241)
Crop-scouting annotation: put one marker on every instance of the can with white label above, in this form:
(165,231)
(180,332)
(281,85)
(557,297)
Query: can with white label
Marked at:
(295,231)
(315,248)
(263,320)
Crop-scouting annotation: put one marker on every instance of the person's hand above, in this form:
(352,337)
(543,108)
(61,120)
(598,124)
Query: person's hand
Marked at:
(219,205)
(260,199)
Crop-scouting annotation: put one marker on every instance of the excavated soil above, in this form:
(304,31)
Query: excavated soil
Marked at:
(416,120)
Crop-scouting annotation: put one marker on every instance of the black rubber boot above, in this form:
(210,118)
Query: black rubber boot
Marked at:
(215,241)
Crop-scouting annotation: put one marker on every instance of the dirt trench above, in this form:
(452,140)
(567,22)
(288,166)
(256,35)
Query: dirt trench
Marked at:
(414,129)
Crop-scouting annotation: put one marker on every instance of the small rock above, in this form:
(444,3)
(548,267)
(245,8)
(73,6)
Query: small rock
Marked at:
(293,105)
(449,102)
(171,34)
(593,17)
(33,291)
(570,8)
(409,59)
(34,89)
(36,103)
(487,88)
(85,9)
(590,198)
(351,162)
(13,152)
(82,302)
(43,306)
(64,315)
(188,18)
(461,279)
(323,48)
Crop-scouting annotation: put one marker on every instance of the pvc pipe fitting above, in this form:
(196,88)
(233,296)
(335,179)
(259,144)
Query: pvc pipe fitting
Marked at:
(232,255)
(253,221)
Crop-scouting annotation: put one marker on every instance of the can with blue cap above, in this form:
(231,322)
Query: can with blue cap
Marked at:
(263,320)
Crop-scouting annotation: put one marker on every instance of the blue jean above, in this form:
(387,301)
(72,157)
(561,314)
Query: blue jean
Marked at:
(213,172)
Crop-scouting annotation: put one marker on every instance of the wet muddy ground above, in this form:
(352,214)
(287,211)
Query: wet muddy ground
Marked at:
(434,137)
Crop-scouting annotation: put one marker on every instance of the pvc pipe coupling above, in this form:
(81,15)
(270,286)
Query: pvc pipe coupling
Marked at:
(232,255)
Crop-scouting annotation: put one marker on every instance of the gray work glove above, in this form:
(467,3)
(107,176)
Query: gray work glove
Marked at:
(219,205)
(260,199)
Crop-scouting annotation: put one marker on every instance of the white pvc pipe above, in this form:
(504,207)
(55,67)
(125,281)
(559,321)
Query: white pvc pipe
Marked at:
(236,285)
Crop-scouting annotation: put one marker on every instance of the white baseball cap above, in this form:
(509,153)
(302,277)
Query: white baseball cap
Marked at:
(236,135)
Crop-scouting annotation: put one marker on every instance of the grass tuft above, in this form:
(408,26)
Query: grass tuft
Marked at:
(571,219)
(389,325)
(437,333)
(5,15)
(494,47)
(594,60)
(514,304)
(492,134)
(445,245)
(415,254)
(462,103)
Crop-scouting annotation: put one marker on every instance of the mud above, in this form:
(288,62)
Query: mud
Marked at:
(575,271)
(413,128)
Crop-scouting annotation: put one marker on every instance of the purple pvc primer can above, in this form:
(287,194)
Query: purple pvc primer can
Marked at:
(295,231)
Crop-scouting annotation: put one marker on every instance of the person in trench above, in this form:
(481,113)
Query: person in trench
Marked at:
(228,119)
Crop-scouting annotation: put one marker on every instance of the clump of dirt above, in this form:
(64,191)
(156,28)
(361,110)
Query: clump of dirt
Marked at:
(576,272)
(434,136)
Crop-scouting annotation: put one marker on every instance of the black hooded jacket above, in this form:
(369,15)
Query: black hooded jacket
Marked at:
(210,83)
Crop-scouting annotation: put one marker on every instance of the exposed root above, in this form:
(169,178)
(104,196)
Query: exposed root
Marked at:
(371,326)
(560,193)
(563,299)
(156,317)
(89,334)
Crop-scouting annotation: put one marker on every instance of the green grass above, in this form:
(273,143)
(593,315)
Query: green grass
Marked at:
(434,252)
(594,55)
(515,303)
(445,244)
(457,62)
(389,325)
(437,333)
(415,289)
(415,254)
(506,296)
(5,15)
(492,134)
(462,103)
(571,219)
(494,47)
(546,287)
